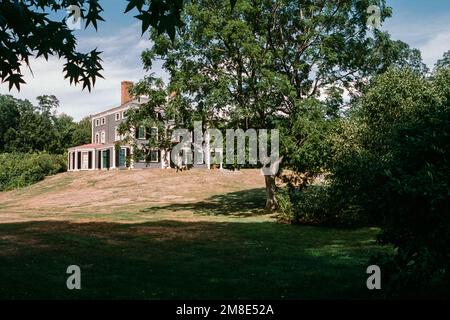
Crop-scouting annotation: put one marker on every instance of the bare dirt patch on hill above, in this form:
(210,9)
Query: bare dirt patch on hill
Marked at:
(137,195)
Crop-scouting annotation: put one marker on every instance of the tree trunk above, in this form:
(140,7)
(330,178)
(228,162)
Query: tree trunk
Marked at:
(271,201)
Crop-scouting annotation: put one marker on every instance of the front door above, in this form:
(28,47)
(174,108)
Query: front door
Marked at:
(122,158)
(85,161)
(106,159)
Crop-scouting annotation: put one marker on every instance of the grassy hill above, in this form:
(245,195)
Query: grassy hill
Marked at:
(155,234)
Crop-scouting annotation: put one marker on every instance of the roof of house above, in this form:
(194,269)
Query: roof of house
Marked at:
(88,146)
(127,104)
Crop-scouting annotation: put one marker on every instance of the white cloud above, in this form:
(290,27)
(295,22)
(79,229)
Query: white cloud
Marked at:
(428,33)
(434,48)
(121,61)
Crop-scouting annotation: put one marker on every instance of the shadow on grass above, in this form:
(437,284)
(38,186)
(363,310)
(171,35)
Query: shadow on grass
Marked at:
(184,260)
(240,204)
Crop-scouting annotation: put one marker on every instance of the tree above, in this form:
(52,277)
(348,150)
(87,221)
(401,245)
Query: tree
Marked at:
(81,133)
(444,62)
(392,160)
(27,30)
(26,128)
(266,64)
(9,118)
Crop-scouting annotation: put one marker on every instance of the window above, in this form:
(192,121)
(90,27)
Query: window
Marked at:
(103,121)
(154,156)
(103,137)
(97,122)
(154,133)
(97,138)
(124,115)
(141,133)
(117,116)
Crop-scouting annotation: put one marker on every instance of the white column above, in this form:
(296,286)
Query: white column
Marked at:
(220,152)
(131,158)
(76,160)
(94,157)
(207,150)
(113,154)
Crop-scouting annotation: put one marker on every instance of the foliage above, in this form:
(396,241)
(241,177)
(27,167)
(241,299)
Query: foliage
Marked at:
(391,158)
(265,64)
(153,114)
(27,128)
(317,205)
(444,62)
(20,170)
(28,30)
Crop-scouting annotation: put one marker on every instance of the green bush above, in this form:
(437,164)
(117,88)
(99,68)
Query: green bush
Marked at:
(392,159)
(19,170)
(317,205)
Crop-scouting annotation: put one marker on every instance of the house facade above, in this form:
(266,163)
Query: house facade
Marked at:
(106,151)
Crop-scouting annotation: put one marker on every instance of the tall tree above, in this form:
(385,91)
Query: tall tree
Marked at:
(269,64)
(81,132)
(9,118)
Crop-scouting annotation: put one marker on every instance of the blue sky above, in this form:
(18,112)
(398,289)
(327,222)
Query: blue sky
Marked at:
(422,24)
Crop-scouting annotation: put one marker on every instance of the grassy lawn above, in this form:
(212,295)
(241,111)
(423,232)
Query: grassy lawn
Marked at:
(220,245)
(169,259)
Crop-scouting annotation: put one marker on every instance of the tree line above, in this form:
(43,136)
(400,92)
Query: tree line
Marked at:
(28,128)
(34,140)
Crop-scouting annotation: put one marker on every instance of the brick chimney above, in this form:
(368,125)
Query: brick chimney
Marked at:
(125,95)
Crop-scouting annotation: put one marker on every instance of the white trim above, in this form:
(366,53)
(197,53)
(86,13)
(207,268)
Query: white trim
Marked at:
(114,110)
(84,160)
(113,157)
(131,158)
(75,155)
(94,159)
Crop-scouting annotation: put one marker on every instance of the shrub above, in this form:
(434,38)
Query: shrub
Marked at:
(19,170)
(392,159)
(317,205)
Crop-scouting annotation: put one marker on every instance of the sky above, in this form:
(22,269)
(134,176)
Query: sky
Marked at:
(423,24)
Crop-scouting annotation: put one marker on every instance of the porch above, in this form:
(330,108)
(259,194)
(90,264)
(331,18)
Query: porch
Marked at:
(90,157)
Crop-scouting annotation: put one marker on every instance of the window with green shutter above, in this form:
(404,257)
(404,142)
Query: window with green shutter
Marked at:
(141,133)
